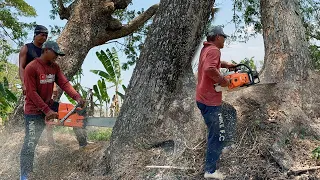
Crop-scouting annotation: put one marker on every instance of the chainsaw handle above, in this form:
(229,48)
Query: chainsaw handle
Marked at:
(236,67)
(76,106)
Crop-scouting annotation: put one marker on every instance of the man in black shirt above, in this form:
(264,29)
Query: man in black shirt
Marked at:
(32,50)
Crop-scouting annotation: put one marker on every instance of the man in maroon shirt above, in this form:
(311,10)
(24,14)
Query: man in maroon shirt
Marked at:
(208,100)
(39,78)
(28,53)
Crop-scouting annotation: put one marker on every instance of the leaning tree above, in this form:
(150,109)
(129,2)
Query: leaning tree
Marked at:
(89,24)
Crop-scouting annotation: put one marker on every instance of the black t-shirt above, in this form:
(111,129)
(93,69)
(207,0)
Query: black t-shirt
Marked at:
(33,52)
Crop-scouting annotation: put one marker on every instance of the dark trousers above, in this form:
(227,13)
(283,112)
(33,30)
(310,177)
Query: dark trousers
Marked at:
(216,134)
(34,126)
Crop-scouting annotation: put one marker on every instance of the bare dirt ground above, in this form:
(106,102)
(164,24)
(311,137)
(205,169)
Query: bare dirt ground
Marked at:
(64,161)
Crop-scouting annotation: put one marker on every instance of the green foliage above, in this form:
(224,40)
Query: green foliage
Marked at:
(11,28)
(76,83)
(315,55)
(11,72)
(247,14)
(310,10)
(7,99)
(111,64)
(102,134)
(63,129)
(249,62)
(316,153)
(112,74)
(134,42)
(120,94)
(101,93)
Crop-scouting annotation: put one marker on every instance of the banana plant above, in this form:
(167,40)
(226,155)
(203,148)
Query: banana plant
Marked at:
(111,72)
(120,94)
(100,92)
(76,83)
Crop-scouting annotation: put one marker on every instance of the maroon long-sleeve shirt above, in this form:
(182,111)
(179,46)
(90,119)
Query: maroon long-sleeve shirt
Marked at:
(39,78)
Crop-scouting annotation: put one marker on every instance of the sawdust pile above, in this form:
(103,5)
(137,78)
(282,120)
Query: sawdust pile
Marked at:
(254,155)
(64,161)
(260,125)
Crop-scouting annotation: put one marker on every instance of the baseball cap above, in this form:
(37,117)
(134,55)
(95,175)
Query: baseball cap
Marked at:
(40,29)
(216,30)
(54,46)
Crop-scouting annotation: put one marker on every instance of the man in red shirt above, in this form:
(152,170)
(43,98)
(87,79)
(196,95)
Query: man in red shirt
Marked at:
(208,100)
(39,78)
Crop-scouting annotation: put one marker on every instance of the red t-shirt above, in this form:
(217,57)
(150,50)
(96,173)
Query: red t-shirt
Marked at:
(208,75)
(39,78)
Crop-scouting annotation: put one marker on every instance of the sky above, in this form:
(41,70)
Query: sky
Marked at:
(233,51)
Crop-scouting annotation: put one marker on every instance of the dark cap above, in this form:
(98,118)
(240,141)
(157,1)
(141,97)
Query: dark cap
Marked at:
(40,29)
(54,46)
(216,30)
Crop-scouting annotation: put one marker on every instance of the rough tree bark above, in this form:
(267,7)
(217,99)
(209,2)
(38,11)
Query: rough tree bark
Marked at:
(89,24)
(159,123)
(274,113)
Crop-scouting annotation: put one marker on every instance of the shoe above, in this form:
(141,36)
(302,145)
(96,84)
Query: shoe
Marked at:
(227,149)
(216,175)
(23,177)
(90,146)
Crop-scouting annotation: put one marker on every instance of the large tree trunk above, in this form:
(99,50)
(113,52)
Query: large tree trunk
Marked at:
(159,123)
(271,117)
(89,24)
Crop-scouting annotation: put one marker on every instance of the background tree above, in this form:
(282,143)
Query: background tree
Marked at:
(247,13)
(98,27)
(162,82)
(271,113)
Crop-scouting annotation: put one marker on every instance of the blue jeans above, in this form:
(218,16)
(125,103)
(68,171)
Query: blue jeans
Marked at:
(216,134)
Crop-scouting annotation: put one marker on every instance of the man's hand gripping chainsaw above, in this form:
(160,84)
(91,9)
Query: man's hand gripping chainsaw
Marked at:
(64,114)
(241,76)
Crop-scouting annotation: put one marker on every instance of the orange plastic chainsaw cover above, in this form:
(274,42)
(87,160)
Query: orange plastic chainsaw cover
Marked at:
(74,120)
(238,80)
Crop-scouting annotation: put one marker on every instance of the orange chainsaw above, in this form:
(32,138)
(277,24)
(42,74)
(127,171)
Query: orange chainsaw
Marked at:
(73,116)
(241,76)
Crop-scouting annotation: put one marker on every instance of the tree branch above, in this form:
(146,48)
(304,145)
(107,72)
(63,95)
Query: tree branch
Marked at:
(64,12)
(302,170)
(121,4)
(134,24)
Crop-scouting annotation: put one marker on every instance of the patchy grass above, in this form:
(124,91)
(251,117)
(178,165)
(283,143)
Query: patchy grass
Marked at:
(94,134)
(63,130)
(101,134)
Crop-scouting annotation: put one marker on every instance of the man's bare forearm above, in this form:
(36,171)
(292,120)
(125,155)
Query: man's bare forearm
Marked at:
(225,64)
